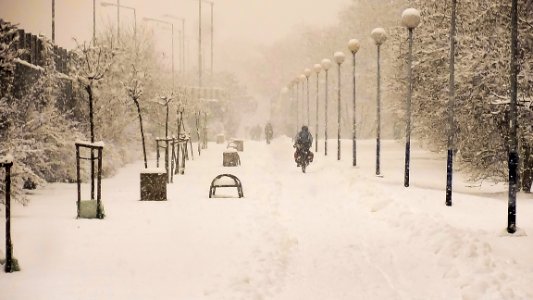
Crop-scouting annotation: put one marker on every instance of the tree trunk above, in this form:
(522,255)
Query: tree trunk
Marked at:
(89,89)
(142,131)
(198,132)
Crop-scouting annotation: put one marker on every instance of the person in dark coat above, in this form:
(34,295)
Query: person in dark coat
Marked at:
(303,142)
(269,132)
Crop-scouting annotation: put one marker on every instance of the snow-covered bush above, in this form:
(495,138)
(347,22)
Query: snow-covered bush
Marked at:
(33,129)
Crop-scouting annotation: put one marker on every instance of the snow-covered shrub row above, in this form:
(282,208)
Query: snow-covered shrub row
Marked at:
(38,126)
(122,80)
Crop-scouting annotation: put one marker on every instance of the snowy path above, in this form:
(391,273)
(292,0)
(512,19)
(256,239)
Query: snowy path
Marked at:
(337,232)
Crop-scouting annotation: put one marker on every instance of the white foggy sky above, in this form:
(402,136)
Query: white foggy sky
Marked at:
(260,21)
(241,26)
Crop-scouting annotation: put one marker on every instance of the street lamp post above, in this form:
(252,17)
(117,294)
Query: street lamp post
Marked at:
(297,85)
(353,46)
(53,21)
(302,81)
(278,107)
(172,33)
(317,68)
(212,48)
(118,21)
(380,36)
(307,73)
(410,19)
(339,59)
(293,84)
(326,64)
(182,39)
(451,104)
(513,142)
(200,44)
(94,21)
(106,4)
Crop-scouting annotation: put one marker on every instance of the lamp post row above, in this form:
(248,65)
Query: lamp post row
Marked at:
(182,42)
(410,20)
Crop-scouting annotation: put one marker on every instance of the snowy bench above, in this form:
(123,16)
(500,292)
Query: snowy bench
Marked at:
(225,180)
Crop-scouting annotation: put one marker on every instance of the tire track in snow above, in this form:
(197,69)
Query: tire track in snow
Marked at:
(266,265)
(334,259)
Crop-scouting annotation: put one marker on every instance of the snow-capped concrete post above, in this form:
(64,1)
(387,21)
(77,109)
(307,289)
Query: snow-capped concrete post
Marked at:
(451,104)
(380,36)
(230,158)
(85,208)
(317,68)
(513,142)
(326,64)
(339,59)
(307,73)
(154,184)
(353,46)
(410,19)
(11,265)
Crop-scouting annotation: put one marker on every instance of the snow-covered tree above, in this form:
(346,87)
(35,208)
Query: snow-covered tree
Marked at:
(482,83)
(134,89)
(8,54)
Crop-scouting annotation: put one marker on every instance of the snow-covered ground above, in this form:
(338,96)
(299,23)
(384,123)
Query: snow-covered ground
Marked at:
(336,232)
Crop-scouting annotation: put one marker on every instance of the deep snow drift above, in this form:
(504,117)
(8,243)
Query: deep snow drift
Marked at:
(337,232)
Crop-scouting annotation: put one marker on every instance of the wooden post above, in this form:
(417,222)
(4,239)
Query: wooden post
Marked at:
(39,51)
(172,161)
(33,49)
(99,213)
(20,33)
(27,46)
(157,152)
(95,154)
(183,156)
(78,178)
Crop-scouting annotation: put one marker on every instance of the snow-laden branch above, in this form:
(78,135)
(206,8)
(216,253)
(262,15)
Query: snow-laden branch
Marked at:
(27,64)
(501,99)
